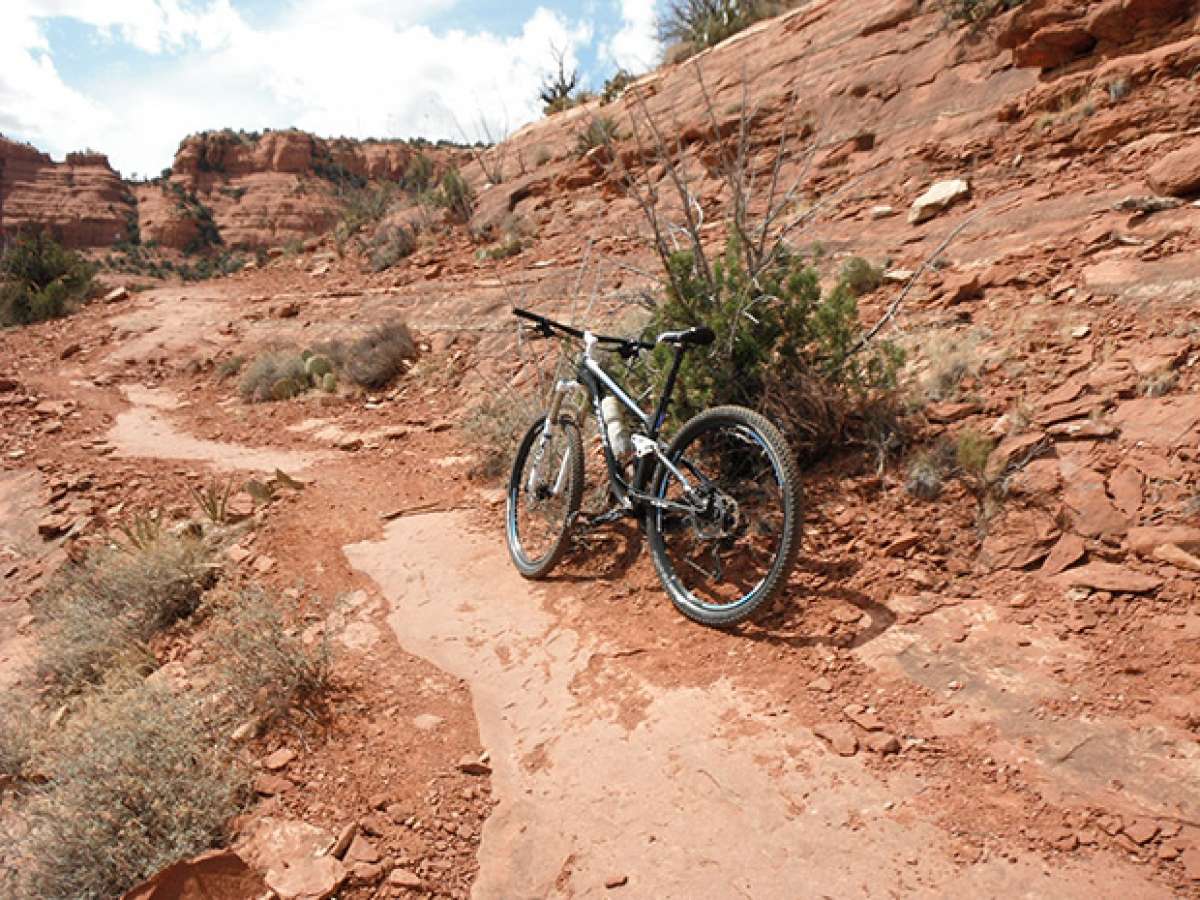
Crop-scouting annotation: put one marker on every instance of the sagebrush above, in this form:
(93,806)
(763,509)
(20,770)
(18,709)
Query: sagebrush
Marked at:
(99,613)
(136,783)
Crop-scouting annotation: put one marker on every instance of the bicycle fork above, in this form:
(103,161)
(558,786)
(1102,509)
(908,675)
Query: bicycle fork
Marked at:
(534,483)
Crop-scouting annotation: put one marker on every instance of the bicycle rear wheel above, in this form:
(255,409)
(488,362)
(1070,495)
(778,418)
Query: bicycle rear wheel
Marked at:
(544,493)
(723,562)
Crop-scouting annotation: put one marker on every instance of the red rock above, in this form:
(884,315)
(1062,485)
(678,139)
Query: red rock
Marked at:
(961,287)
(1094,514)
(1053,46)
(1145,540)
(1012,450)
(1177,174)
(948,413)
(1105,576)
(1068,551)
(865,720)
(342,844)
(279,759)
(272,785)
(839,736)
(1163,422)
(902,544)
(612,882)
(473,765)
(314,878)
(896,13)
(882,743)
(238,554)
(1021,538)
(1141,831)
(1177,557)
(1190,859)
(1125,485)
(217,875)
(405,879)
(362,850)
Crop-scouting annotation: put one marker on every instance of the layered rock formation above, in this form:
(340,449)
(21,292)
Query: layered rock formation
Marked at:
(83,200)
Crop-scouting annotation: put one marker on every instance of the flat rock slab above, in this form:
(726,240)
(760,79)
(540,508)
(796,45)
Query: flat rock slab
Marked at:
(1105,576)
(1163,422)
(649,780)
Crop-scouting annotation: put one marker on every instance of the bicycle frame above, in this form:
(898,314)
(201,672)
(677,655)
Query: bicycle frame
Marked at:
(633,494)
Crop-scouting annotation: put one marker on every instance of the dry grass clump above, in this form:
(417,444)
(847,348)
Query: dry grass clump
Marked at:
(18,735)
(136,784)
(951,360)
(391,244)
(274,375)
(266,668)
(381,355)
(99,613)
(493,430)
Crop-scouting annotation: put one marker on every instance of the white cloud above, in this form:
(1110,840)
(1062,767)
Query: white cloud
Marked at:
(635,46)
(352,67)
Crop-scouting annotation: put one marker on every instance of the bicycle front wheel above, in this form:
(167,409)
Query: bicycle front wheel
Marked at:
(544,494)
(732,549)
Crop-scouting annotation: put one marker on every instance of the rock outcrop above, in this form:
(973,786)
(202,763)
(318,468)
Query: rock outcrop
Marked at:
(82,199)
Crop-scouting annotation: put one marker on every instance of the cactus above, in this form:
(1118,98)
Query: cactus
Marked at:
(306,355)
(285,389)
(329,383)
(318,367)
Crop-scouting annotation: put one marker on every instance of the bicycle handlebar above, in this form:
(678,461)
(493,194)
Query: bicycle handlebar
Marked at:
(547,328)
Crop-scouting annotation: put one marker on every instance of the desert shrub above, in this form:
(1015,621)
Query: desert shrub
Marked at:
(975,11)
(781,343)
(136,784)
(600,130)
(265,667)
(971,452)
(418,175)
(493,430)
(616,86)
(40,279)
(697,24)
(379,356)
(391,244)
(231,367)
(456,195)
(951,359)
(274,375)
(859,276)
(18,734)
(99,613)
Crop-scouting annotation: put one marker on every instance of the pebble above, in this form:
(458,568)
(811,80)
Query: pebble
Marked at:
(612,882)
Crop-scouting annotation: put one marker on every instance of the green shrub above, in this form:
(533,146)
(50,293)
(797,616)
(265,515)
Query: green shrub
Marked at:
(557,91)
(600,131)
(971,452)
(974,11)
(697,24)
(617,85)
(780,343)
(418,176)
(859,276)
(391,244)
(99,613)
(40,279)
(274,375)
(456,195)
(137,783)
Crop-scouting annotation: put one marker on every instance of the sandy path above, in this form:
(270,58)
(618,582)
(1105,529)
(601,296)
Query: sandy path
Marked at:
(686,792)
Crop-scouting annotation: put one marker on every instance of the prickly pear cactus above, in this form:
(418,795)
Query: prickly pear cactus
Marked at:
(318,367)
(329,383)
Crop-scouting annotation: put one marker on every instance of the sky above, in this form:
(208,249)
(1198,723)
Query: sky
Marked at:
(131,78)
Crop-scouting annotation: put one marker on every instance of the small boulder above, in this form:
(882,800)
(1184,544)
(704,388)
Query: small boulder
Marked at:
(840,737)
(1178,173)
(937,199)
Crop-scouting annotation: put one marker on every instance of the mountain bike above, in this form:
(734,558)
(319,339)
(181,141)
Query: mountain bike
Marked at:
(720,504)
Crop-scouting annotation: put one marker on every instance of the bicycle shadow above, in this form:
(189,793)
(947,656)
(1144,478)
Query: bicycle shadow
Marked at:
(603,554)
(790,622)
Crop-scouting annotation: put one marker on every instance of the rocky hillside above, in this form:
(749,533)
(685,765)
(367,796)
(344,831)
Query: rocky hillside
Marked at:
(81,198)
(236,190)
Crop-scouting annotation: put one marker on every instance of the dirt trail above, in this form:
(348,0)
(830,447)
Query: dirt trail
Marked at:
(686,791)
